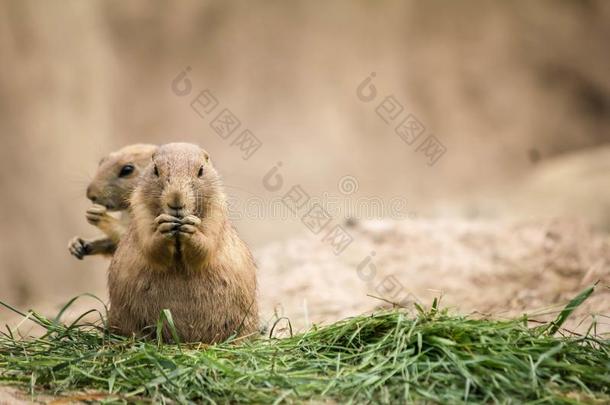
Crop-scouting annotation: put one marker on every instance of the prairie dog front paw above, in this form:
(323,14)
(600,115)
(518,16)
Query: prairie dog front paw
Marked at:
(78,247)
(167,225)
(97,214)
(189,224)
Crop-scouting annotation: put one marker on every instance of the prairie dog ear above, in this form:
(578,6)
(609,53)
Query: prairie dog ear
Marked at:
(206,156)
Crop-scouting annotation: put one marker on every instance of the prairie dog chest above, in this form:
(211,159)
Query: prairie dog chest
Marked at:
(170,289)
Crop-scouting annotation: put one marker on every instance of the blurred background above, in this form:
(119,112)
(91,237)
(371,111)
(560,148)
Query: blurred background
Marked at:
(517,93)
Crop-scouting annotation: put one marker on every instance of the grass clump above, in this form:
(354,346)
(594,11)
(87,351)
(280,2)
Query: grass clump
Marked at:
(387,357)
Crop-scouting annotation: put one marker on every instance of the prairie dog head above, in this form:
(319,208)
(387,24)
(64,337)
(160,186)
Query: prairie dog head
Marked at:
(117,176)
(180,181)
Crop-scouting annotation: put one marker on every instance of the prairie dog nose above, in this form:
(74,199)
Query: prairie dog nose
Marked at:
(91,194)
(175,201)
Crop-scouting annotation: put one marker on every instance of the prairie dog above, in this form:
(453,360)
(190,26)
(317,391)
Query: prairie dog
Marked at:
(181,253)
(110,189)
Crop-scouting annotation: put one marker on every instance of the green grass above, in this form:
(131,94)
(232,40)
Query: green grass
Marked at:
(387,357)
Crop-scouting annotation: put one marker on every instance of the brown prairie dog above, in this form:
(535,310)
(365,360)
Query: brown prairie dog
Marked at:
(181,253)
(109,191)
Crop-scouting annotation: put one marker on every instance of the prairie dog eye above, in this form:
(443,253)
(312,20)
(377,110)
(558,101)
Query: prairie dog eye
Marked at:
(156,171)
(200,173)
(126,170)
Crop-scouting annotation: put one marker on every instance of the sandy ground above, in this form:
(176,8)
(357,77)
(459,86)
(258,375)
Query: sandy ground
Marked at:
(498,268)
(10,396)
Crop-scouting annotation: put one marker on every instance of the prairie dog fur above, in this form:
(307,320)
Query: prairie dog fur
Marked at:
(109,191)
(181,253)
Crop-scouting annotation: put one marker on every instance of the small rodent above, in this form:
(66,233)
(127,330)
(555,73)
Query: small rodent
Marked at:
(182,253)
(116,177)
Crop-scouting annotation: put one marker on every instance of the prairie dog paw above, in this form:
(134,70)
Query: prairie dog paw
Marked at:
(167,225)
(78,248)
(96,214)
(189,224)
(187,229)
(191,220)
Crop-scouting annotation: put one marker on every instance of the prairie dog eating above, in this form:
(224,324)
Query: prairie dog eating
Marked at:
(182,253)
(116,177)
